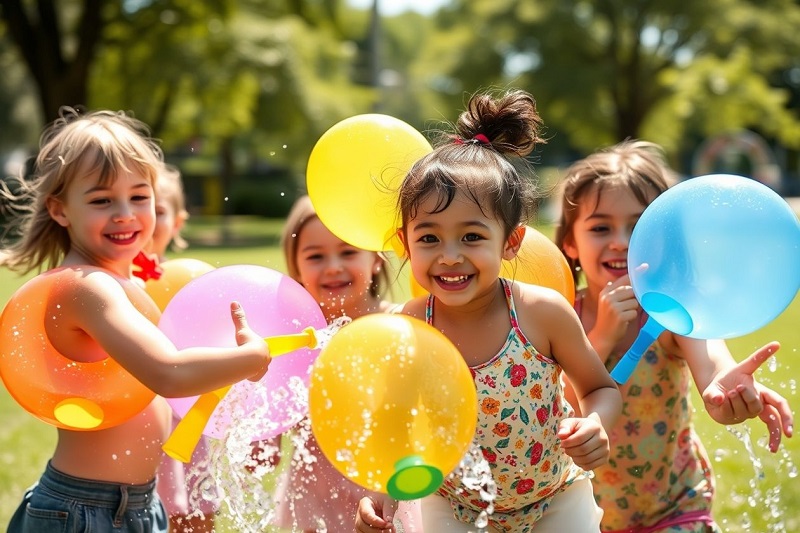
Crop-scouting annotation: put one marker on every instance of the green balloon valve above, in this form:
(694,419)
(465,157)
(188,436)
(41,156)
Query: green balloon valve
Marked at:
(413,479)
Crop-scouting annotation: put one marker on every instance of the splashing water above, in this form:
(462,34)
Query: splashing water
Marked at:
(769,500)
(235,472)
(474,473)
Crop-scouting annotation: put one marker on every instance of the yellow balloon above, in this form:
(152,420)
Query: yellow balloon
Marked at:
(175,274)
(353,175)
(392,404)
(539,262)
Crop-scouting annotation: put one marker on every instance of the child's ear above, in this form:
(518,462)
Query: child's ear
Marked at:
(398,242)
(179,223)
(377,265)
(513,243)
(56,209)
(570,250)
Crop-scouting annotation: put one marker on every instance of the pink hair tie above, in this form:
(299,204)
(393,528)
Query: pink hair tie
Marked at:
(478,139)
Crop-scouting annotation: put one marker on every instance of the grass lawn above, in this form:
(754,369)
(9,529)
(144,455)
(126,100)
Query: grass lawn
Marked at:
(757,491)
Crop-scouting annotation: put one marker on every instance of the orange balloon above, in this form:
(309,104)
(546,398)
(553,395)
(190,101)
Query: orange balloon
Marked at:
(175,274)
(539,262)
(392,404)
(56,389)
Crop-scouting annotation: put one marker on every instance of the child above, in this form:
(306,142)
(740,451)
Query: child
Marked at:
(184,488)
(659,475)
(464,208)
(346,281)
(89,210)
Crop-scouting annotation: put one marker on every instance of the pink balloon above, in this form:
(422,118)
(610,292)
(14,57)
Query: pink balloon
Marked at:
(274,304)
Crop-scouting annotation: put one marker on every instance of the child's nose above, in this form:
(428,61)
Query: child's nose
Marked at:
(333,265)
(124,212)
(620,239)
(451,255)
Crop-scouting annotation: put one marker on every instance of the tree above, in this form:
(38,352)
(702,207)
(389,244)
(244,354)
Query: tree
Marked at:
(605,70)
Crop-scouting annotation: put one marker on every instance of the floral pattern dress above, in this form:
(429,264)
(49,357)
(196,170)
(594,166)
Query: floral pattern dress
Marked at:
(520,405)
(658,470)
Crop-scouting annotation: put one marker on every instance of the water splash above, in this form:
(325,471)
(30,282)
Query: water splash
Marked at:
(768,500)
(474,473)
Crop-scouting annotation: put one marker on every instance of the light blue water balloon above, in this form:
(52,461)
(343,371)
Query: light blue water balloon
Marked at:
(713,257)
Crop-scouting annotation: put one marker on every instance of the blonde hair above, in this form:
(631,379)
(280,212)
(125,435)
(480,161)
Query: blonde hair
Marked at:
(75,144)
(639,166)
(170,187)
(302,211)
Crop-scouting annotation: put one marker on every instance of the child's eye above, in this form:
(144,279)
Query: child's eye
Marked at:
(472,237)
(599,229)
(428,239)
(99,201)
(314,257)
(349,252)
(140,198)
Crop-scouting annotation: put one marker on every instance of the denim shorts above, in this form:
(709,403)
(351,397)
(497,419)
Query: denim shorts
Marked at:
(59,502)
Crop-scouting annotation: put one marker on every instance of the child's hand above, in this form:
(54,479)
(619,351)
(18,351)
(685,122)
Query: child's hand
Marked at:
(734,396)
(585,440)
(616,307)
(375,514)
(246,337)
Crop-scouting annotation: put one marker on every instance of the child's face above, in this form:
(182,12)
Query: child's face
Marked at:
(456,254)
(108,224)
(335,273)
(601,233)
(167,224)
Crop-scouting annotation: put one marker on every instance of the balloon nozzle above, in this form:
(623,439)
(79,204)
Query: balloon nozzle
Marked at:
(413,479)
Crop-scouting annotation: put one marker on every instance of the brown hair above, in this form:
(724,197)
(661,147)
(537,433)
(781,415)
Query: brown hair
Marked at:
(483,158)
(639,166)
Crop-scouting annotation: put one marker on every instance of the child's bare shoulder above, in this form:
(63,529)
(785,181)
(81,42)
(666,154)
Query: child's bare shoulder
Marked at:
(414,307)
(537,298)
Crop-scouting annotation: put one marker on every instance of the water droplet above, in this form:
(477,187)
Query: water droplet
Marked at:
(772,364)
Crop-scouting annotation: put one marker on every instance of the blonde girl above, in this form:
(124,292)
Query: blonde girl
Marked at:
(89,211)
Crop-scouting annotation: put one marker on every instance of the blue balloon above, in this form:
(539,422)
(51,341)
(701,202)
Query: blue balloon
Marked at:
(713,257)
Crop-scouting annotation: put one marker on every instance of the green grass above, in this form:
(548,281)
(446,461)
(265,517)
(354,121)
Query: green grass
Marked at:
(742,498)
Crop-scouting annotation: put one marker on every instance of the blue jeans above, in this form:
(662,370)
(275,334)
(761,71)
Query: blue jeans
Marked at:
(62,503)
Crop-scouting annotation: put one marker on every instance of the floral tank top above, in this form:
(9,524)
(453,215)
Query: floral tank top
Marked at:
(658,469)
(520,405)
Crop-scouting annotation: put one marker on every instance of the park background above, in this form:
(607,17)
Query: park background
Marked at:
(238,92)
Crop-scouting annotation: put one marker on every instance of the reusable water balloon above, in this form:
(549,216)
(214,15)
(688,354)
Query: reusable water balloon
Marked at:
(359,163)
(57,389)
(184,438)
(538,262)
(392,404)
(175,273)
(714,257)
(274,304)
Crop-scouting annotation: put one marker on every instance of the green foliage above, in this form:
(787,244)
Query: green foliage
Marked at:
(266,198)
(604,71)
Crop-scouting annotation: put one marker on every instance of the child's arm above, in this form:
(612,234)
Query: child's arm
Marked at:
(101,309)
(584,439)
(730,392)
